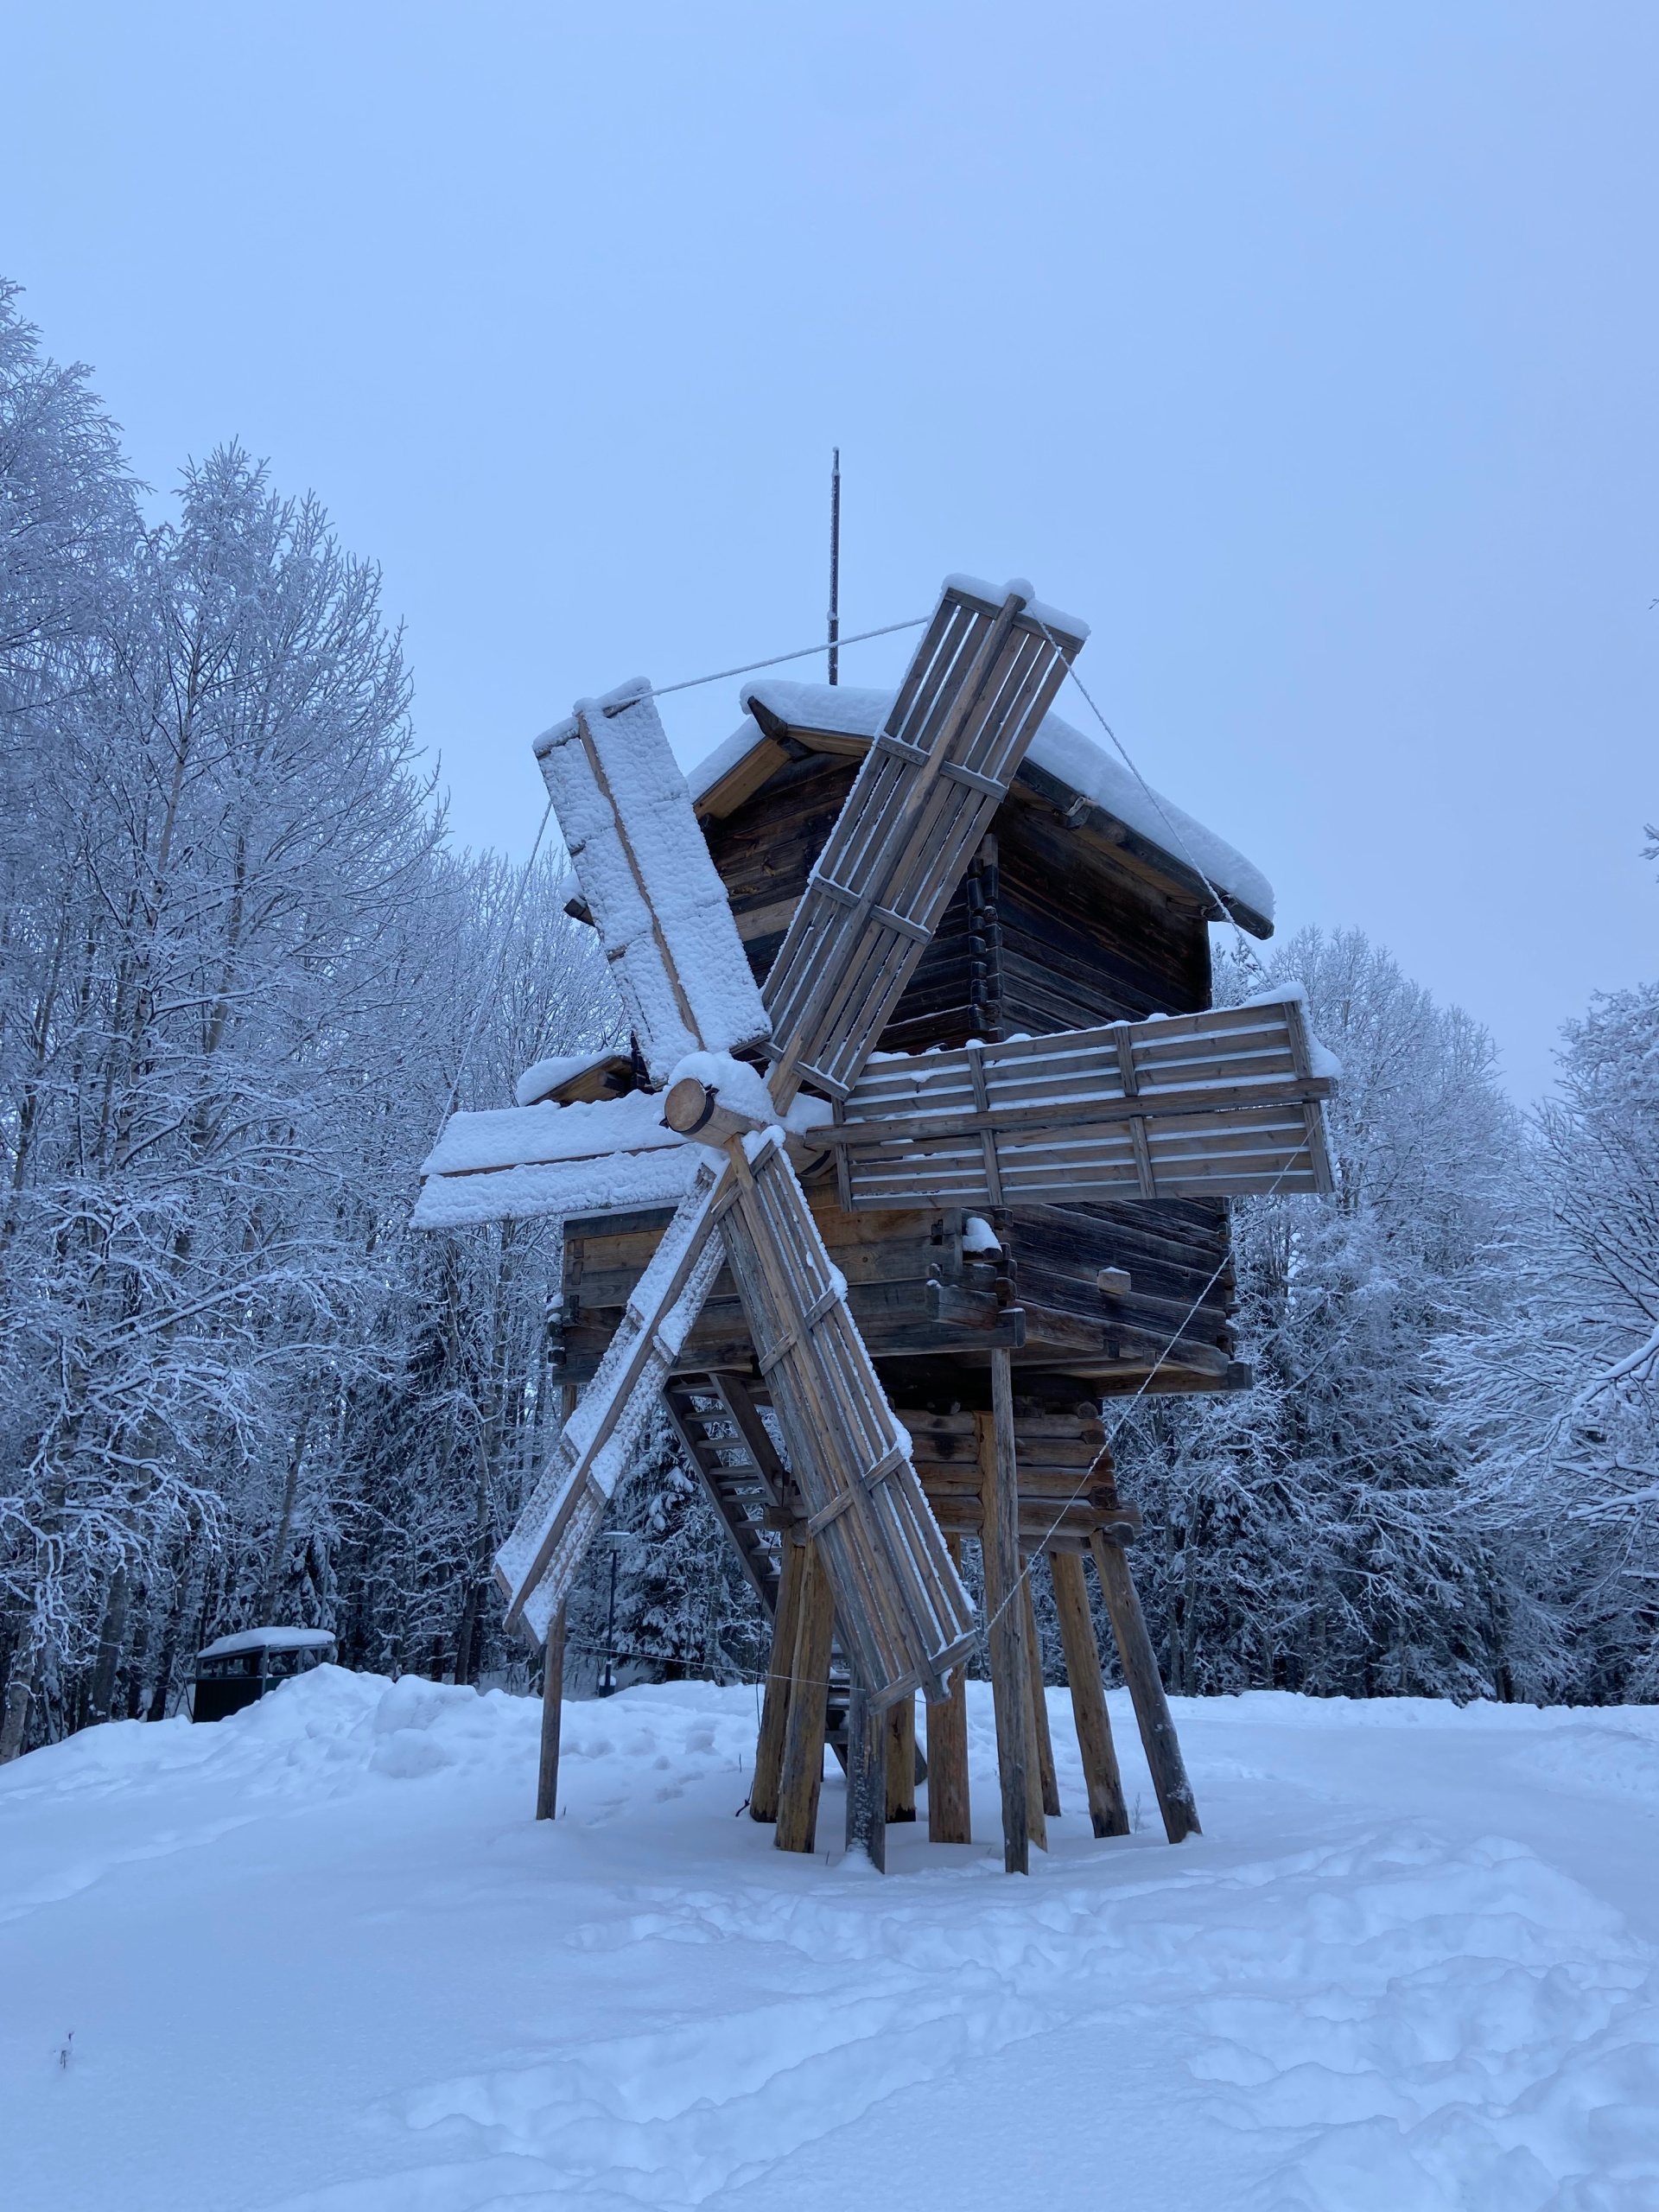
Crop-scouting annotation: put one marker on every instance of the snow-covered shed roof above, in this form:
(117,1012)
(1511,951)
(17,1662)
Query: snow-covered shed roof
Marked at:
(268,1639)
(1059,755)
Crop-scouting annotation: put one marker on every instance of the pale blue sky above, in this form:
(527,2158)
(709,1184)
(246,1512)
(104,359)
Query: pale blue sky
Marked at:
(1308,351)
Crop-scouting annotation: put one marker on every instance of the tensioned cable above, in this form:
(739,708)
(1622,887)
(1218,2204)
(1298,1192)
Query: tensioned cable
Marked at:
(662,690)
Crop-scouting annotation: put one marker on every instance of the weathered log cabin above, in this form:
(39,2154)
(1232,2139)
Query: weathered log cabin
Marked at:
(1089,902)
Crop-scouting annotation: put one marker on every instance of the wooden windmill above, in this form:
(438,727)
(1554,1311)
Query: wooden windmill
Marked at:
(745,1301)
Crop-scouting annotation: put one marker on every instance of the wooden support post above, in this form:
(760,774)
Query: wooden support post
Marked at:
(866,1770)
(1106,1806)
(547,1781)
(1010,1695)
(774,1710)
(1145,1690)
(1047,1782)
(809,1694)
(950,1818)
(901,1719)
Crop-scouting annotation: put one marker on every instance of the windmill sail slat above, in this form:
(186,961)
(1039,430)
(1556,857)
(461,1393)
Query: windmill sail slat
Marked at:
(624,1182)
(1224,1109)
(659,906)
(980,684)
(899,1598)
(558,1520)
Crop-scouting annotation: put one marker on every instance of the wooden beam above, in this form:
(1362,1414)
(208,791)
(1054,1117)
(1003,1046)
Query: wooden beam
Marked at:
(547,1779)
(774,1709)
(1001,1547)
(1106,1807)
(809,1693)
(949,1816)
(1048,1780)
(1152,1712)
(901,1759)
(866,1791)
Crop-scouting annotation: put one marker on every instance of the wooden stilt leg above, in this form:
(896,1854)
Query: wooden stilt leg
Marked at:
(809,1692)
(999,1490)
(1145,1690)
(1106,1806)
(949,1815)
(547,1781)
(774,1710)
(1047,1782)
(867,1778)
(900,1721)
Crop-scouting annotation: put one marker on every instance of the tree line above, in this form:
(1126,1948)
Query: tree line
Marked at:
(245,973)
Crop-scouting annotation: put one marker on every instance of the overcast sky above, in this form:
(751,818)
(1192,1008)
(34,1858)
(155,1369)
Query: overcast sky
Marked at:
(1308,351)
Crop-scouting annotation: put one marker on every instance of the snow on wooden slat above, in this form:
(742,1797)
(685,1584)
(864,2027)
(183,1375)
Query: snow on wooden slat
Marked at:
(538,1561)
(620,1182)
(644,866)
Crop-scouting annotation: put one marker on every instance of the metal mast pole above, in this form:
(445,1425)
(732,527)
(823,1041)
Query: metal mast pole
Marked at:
(834,566)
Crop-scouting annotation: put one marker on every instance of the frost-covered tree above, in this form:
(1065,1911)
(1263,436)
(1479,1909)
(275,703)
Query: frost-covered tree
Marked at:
(1309,1533)
(244,979)
(1552,1392)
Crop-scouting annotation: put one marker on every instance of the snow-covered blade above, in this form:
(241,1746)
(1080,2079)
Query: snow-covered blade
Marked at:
(617,1182)
(520,1162)
(660,908)
(539,1558)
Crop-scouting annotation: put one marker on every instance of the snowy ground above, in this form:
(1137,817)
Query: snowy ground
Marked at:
(318,1956)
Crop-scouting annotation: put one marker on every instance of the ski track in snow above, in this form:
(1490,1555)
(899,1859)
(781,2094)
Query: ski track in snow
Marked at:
(1336,2007)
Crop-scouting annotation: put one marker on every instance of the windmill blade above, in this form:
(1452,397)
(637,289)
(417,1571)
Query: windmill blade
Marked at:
(983,678)
(899,1600)
(536,1566)
(660,908)
(1220,1104)
(520,1163)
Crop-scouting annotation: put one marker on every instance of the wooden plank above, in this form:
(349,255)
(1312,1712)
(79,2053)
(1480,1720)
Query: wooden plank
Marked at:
(870,1118)
(774,1709)
(1010,1694)
(867,1777)
(903,1611)
(950,1818)
(547,1777)
(1107,1810)
(1152,1713)
(809,1694)
(901,1719)
(1048,1782)
(979,685)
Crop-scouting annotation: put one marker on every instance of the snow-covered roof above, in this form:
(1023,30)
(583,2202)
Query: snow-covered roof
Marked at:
(538,1083)
(1058,750)
(268,1639)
